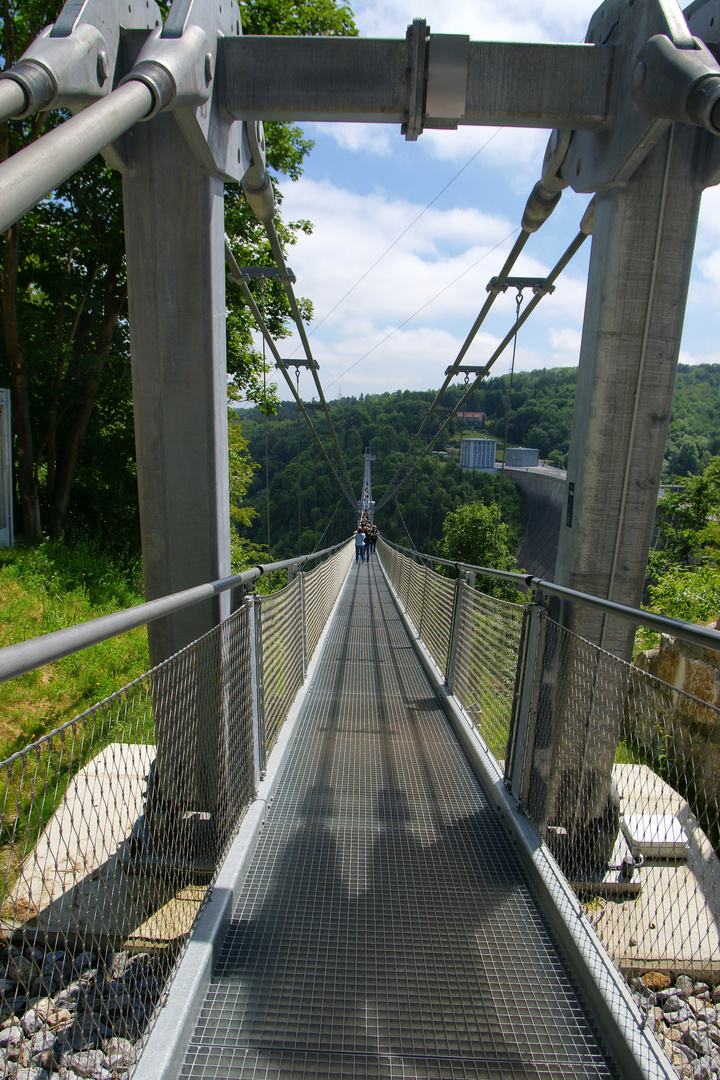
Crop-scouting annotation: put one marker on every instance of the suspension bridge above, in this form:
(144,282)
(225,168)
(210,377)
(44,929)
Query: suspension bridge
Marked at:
(345,827)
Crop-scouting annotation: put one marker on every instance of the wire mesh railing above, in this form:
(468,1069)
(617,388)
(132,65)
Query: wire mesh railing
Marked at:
(473,639)
(618,767)
(282,655)
(483,674)
(631,807)
(113,827)
(321,589)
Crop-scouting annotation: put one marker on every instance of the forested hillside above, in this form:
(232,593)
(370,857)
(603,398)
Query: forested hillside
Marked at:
(541,416)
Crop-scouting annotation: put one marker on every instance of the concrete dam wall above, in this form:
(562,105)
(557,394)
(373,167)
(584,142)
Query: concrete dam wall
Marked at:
(543,489)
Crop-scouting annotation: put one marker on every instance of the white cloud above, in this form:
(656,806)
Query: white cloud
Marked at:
(514,20)
(364,138)
(565,341)
(412,312)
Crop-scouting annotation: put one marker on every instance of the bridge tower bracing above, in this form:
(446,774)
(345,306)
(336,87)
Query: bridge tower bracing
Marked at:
(365,502)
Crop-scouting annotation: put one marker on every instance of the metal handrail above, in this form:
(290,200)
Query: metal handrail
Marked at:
(28,655)
(698,635)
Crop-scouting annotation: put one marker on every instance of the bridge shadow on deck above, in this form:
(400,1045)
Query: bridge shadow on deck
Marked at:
(386,928)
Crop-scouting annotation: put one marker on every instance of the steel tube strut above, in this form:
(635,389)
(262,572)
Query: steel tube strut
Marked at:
(12,99)
(355,79)
(32,173)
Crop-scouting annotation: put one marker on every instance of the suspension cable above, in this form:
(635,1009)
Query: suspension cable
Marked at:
(565,258)
(422,308)
(327,526)
(267,337)
(407,531)
(312,364)
(493,293)
(399,237)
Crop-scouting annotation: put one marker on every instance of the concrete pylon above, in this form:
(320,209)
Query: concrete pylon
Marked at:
(174,229)
(637,290)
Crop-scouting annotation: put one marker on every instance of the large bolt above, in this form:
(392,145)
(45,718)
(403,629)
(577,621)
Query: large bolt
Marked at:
(639,75)
(103,69)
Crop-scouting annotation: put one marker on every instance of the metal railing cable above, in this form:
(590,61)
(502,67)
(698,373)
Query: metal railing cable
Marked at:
(400,235)
(400,478)
(28,655)
(662,624)
(113,826)
(238,277)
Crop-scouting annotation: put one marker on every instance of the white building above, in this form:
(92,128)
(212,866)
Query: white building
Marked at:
(478,454)
(522,457)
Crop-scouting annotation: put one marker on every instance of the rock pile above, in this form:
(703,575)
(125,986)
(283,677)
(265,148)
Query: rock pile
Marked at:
(73,1017)
(686,1017)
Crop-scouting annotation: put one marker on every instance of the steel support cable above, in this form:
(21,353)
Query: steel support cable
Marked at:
(407,531)
(492,295)
(36,170)
(337,507)
(560,265)
(285,278)
(267,336)
(418,311)
(403,233)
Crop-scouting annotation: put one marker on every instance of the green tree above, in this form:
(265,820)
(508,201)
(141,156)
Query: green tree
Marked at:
(473,534)
(688,528)
(684,570)
(64,349)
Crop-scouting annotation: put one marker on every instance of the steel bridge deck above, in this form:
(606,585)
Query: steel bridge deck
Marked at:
(386,928)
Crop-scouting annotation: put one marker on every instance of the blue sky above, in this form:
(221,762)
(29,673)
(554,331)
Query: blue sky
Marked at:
(364,184)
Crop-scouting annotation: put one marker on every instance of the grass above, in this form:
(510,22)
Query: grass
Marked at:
(46,588)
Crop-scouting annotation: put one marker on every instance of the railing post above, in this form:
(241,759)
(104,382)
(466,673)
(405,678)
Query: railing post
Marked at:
(256,677)
(455,629)
(524,701)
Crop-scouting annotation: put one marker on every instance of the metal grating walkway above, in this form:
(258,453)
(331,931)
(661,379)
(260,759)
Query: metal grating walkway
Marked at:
(386,928)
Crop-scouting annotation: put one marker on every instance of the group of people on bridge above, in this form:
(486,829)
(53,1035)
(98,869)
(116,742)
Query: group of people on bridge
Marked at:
(365,538)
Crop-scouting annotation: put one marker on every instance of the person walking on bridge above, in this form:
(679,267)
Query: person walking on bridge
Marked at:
(359,544)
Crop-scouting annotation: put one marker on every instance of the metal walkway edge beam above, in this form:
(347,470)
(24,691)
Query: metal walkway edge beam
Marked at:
(353,79)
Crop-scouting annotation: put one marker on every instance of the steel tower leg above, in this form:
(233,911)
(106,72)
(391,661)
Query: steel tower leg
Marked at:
(174,227)
(636,295)
(637,290)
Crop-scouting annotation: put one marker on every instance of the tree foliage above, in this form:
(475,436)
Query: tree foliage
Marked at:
(64,350)
(475,534)
(387,423)
(688,529)
(684,568)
